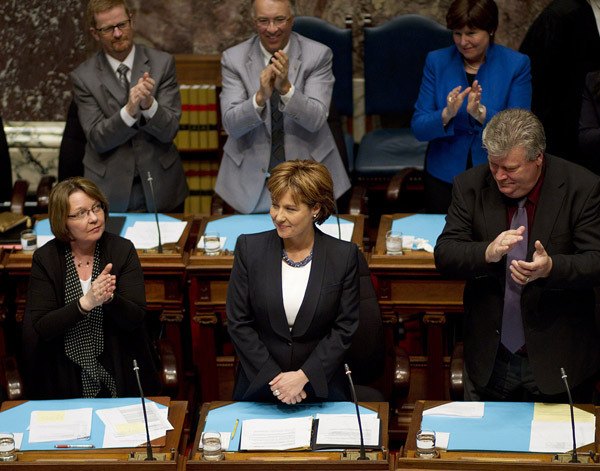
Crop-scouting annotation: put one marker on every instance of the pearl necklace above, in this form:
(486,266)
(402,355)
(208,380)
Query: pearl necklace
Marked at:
(291,263)
(472,67)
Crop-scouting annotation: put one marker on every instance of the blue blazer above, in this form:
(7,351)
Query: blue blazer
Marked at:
(506,81)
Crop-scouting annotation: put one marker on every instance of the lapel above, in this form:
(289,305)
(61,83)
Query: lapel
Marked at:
(276,311)
(108,79)
(548,208)
(313,289)
(494,209)
(295,57)
(141,64)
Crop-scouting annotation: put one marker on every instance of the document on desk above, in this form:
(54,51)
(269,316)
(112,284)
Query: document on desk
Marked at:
(124,426)
(144,234)
(471,409)
(551,428)
(60,425)
(276,434)
(341,430)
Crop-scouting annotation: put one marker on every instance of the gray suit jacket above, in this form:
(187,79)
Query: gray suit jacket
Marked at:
(558,311)
(247,151)
(114,150)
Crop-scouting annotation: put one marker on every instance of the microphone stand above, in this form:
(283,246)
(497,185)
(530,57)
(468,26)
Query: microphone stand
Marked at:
(149,456)
(160,248)
(574,454)
(362,456)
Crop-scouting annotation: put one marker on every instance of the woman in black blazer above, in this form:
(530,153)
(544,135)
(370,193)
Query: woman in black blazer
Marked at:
(293,296)
(86,304)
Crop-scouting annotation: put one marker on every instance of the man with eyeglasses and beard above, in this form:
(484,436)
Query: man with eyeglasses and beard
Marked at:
(129,107)
(277,88)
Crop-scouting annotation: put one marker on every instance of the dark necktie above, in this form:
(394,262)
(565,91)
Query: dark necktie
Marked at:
(513,336)
(277,136)
(122,73)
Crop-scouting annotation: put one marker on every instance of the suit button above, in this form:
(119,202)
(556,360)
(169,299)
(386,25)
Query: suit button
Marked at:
(497,332)
(289,344)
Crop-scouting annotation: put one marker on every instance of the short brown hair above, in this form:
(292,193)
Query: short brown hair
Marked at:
(309,182)
(480,14)
(58,203)
(98,6)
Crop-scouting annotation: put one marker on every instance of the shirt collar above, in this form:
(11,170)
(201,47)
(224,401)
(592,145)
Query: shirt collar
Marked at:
(267,55)
(114,63)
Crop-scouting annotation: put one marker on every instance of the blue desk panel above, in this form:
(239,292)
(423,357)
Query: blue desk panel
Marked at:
(17,419)
(424,226)
(505,426)
(232,227)
(42,227)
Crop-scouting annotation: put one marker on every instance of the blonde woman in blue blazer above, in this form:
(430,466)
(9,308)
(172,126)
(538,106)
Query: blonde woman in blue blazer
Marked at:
(463,87)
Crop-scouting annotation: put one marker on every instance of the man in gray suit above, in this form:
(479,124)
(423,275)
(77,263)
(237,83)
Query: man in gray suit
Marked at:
(277,87)
(129,108)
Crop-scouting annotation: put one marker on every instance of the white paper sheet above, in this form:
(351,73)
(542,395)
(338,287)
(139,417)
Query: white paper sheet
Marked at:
(144,234)
(276,434)
(124,426)
(331,229)
(458,409)
(342,429)
(60,425)
(557,437)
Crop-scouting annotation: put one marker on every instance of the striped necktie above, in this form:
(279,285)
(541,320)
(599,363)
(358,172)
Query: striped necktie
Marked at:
(277,134)
(122,73)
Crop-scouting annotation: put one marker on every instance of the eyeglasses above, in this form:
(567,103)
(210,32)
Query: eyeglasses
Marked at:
(107,30)
(278,22)
(83,213)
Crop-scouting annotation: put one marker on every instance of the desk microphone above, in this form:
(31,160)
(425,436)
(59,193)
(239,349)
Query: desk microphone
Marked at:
(160,248)
(337,216)
(574,453)
(362,455)
(136,368)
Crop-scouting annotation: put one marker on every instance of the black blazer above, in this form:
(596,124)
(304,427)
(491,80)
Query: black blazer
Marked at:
(558,311)
(324,326)
(49,373)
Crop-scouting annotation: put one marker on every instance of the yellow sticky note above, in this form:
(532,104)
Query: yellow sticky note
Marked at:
(47,416)
(130,429)
(559,413)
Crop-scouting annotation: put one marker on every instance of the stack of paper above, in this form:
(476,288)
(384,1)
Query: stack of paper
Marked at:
(124,426)
(341,430)
(276,434)
(60,425)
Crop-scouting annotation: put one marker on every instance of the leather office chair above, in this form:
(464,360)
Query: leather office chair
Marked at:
(380,371)
(394,56)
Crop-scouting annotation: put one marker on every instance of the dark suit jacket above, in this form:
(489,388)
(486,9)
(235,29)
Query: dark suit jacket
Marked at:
(49,373)
(558,311)
(114,150)
(564,45)
(589,123)
(324,326)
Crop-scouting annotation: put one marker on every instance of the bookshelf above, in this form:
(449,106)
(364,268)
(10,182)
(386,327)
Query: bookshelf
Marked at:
(200,138)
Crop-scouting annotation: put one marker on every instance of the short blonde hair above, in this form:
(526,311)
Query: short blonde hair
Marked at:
(309,182)
(98,6)
(58,204)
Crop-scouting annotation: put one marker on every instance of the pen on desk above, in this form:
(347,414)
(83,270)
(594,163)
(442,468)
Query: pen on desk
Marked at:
(74,446)
(237,421)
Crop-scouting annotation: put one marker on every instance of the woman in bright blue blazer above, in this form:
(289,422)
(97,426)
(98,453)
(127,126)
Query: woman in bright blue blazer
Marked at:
(463,87)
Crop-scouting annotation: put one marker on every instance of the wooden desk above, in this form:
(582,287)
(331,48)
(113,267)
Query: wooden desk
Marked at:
(113,459)
(299,460)
(164,280)
(208,280)
(482,461)
(409,287)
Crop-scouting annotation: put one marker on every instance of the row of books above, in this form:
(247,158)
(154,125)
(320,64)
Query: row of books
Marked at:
(198,124)
(201,176)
